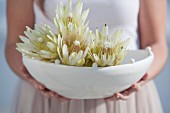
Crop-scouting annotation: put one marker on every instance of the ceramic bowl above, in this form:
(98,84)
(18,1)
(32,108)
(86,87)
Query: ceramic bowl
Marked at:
(91,82)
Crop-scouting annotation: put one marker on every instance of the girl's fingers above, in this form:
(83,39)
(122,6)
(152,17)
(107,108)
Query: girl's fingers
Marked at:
(30,79)
(52,94)
(134,88)
(125,94)
(46,93)
(128,91)
(138,86)
(143,80)
(25,72)
(114,97)
(145,76)
(36,84)
(123,97)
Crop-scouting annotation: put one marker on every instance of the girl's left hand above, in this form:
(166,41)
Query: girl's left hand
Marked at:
(126,93)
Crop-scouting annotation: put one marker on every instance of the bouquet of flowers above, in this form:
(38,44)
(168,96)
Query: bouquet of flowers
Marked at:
(75,44)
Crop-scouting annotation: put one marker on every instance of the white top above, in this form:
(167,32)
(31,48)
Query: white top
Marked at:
(117,14)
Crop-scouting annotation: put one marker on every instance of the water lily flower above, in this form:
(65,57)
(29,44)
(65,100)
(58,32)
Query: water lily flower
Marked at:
(39,43)
(74,55)
(65,14)
(108,51)
(70,22)
(74,35)
(72,58)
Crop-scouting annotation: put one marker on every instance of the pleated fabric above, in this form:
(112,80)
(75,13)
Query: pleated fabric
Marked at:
(32,101)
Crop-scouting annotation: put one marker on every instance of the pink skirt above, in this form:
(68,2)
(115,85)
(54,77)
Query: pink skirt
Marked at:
(29,100)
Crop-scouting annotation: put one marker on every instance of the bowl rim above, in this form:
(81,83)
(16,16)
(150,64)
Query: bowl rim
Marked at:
(148,50)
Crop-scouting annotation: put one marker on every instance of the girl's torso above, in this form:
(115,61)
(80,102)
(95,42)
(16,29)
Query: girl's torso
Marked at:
(117,14)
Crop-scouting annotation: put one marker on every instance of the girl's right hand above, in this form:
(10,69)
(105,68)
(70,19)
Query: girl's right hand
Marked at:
(44,91)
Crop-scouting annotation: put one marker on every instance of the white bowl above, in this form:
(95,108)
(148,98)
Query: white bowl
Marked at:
(91,82)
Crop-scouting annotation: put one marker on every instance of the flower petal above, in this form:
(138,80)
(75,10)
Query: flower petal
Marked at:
(72,58)
(65,51)
(24,39)
(78,57)
(81,62)
(86,52)
(51,46)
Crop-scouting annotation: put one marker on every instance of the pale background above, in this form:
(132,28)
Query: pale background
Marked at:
(8,80)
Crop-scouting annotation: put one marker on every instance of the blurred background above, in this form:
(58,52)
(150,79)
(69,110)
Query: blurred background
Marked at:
(8,80)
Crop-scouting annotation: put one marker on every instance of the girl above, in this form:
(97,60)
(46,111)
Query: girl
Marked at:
(144,19)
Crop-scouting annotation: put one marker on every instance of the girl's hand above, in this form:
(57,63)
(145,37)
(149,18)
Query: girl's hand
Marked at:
(46,92)
(126,93)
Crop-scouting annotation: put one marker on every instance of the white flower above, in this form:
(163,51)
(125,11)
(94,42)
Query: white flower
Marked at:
(108,51)
(66,14)
(74,35)
(71,25)
(73,58)
(39,43)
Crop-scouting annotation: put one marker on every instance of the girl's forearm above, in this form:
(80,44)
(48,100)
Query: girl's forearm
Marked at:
(160,57)
(14,59)
(19,14)
(152,31)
